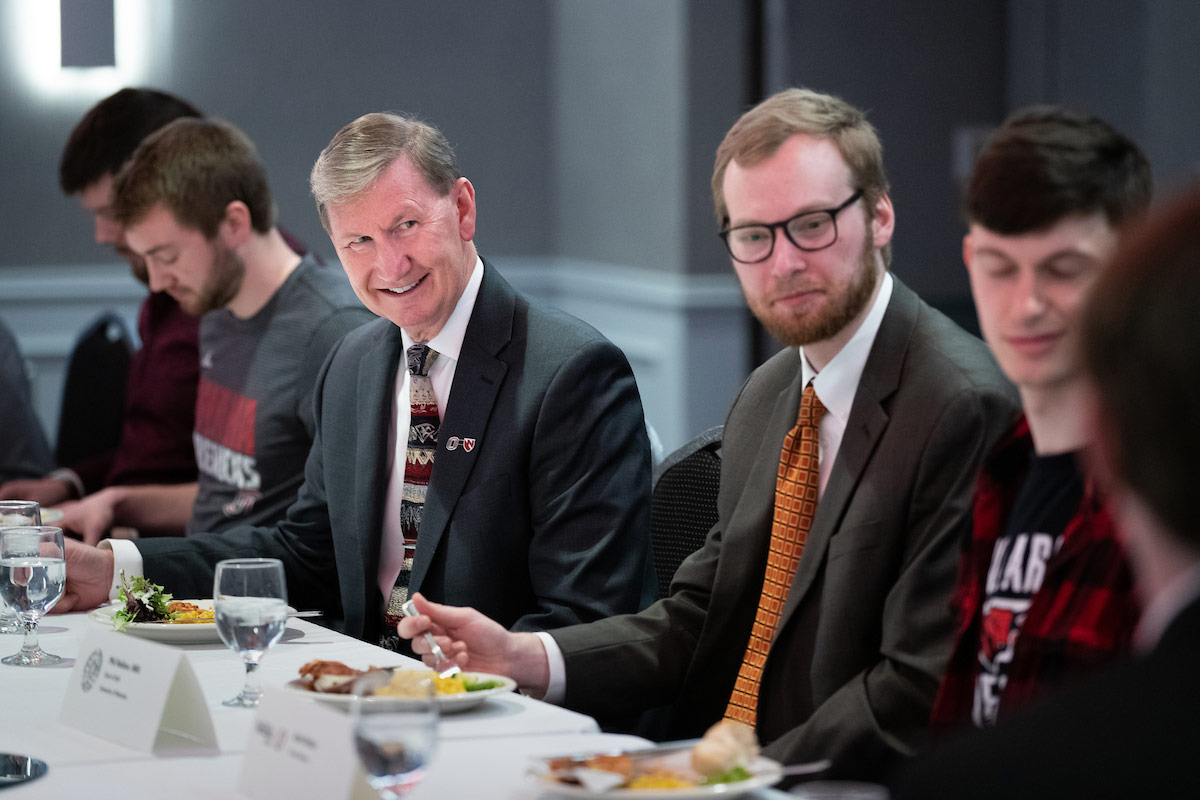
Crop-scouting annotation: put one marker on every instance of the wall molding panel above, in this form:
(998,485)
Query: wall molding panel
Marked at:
(680,332)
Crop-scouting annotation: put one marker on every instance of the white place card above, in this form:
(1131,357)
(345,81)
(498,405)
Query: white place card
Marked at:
(301,748)
(139,694)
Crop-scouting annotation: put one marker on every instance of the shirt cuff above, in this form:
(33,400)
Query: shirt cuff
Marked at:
(556,688)
(127,558)
(71,478)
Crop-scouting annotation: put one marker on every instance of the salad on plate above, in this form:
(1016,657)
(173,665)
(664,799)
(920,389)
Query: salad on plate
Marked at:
(139,601)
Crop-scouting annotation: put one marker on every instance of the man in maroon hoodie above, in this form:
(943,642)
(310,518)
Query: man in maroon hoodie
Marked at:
(160,396)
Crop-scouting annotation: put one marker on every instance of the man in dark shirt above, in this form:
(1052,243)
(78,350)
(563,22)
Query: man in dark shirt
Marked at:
(160,394)
(1044,590)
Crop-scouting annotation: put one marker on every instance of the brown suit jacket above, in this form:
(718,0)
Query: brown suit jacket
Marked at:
(866,628)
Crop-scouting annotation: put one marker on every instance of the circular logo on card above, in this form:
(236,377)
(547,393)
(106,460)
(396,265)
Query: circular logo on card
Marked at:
(91,669)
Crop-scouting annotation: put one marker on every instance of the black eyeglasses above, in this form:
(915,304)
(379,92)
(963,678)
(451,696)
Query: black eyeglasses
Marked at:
(812,230)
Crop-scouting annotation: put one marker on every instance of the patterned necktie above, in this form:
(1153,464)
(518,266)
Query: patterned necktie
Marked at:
(796,489)
(418,467)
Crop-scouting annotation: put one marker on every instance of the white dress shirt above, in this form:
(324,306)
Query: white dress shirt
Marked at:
(448,344)
(835,387)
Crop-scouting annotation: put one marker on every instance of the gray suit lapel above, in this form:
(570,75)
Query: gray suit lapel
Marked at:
(867,422)
(477,381)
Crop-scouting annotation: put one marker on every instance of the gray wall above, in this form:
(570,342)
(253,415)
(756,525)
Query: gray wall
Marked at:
(1133,62)
(588,128)
(290,73)
(923,70)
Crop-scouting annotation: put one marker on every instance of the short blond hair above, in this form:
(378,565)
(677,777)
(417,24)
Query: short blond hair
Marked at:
(762,130)
(362,150)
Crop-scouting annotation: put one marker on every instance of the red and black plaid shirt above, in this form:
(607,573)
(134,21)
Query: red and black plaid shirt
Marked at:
(1082,616)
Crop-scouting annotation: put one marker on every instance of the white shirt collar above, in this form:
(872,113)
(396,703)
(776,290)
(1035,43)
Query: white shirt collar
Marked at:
(836,384)
(448,341)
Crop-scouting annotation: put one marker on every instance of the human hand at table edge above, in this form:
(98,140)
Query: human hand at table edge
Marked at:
(474,641)
(92,517)
(89,577)
(44,491)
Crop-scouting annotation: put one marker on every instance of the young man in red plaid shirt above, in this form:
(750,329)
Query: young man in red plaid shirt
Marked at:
(1044,590)
(1131,729)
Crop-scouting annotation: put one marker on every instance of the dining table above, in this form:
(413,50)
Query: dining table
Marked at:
(485,752)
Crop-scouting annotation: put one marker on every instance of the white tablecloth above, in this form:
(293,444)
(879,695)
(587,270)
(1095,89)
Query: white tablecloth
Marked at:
(484,752)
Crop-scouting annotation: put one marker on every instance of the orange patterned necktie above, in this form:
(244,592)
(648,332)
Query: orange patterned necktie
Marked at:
(796,490)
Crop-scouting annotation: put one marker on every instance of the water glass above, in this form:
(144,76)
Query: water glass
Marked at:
(14,513)
(395,736)
(250,606)
(33,574)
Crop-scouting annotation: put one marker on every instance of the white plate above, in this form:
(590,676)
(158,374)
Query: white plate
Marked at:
(763,773)
(50,516)
(447,703)
(168,632)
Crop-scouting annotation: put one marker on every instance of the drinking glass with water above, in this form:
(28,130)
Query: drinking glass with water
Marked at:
(250,606)
(14,513)
(395,736)
(33,574)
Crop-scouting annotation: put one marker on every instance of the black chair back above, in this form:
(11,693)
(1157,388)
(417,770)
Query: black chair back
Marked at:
(683,505)
(93,400)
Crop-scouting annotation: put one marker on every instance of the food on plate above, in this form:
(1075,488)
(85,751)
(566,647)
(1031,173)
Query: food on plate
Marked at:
(334,677)
(724,755)
(660,780)
(184,612)
(143,601)
(330,677)
(725,747)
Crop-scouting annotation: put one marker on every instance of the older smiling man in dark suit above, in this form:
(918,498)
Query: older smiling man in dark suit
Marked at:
(508,468)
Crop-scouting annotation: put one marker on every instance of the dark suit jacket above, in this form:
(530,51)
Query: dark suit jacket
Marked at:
(543,522)
(866,627)
(1132,730)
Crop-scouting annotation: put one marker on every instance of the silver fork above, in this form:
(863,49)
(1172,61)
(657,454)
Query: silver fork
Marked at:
(410,610)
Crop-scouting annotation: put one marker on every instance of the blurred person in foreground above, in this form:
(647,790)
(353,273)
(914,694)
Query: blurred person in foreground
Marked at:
(817,609)
(194,205)
(23,448)
(160,395)
(1130,730)
(1045,594)
(472,444)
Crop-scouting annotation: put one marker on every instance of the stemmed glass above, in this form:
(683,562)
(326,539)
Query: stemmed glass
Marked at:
(14,513)
(33,574)
(395,735)
(250,606)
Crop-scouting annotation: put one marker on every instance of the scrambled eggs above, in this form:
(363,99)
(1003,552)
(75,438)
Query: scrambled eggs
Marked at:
(188,612)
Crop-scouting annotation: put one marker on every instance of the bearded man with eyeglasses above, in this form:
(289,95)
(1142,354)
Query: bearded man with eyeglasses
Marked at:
(818,608)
